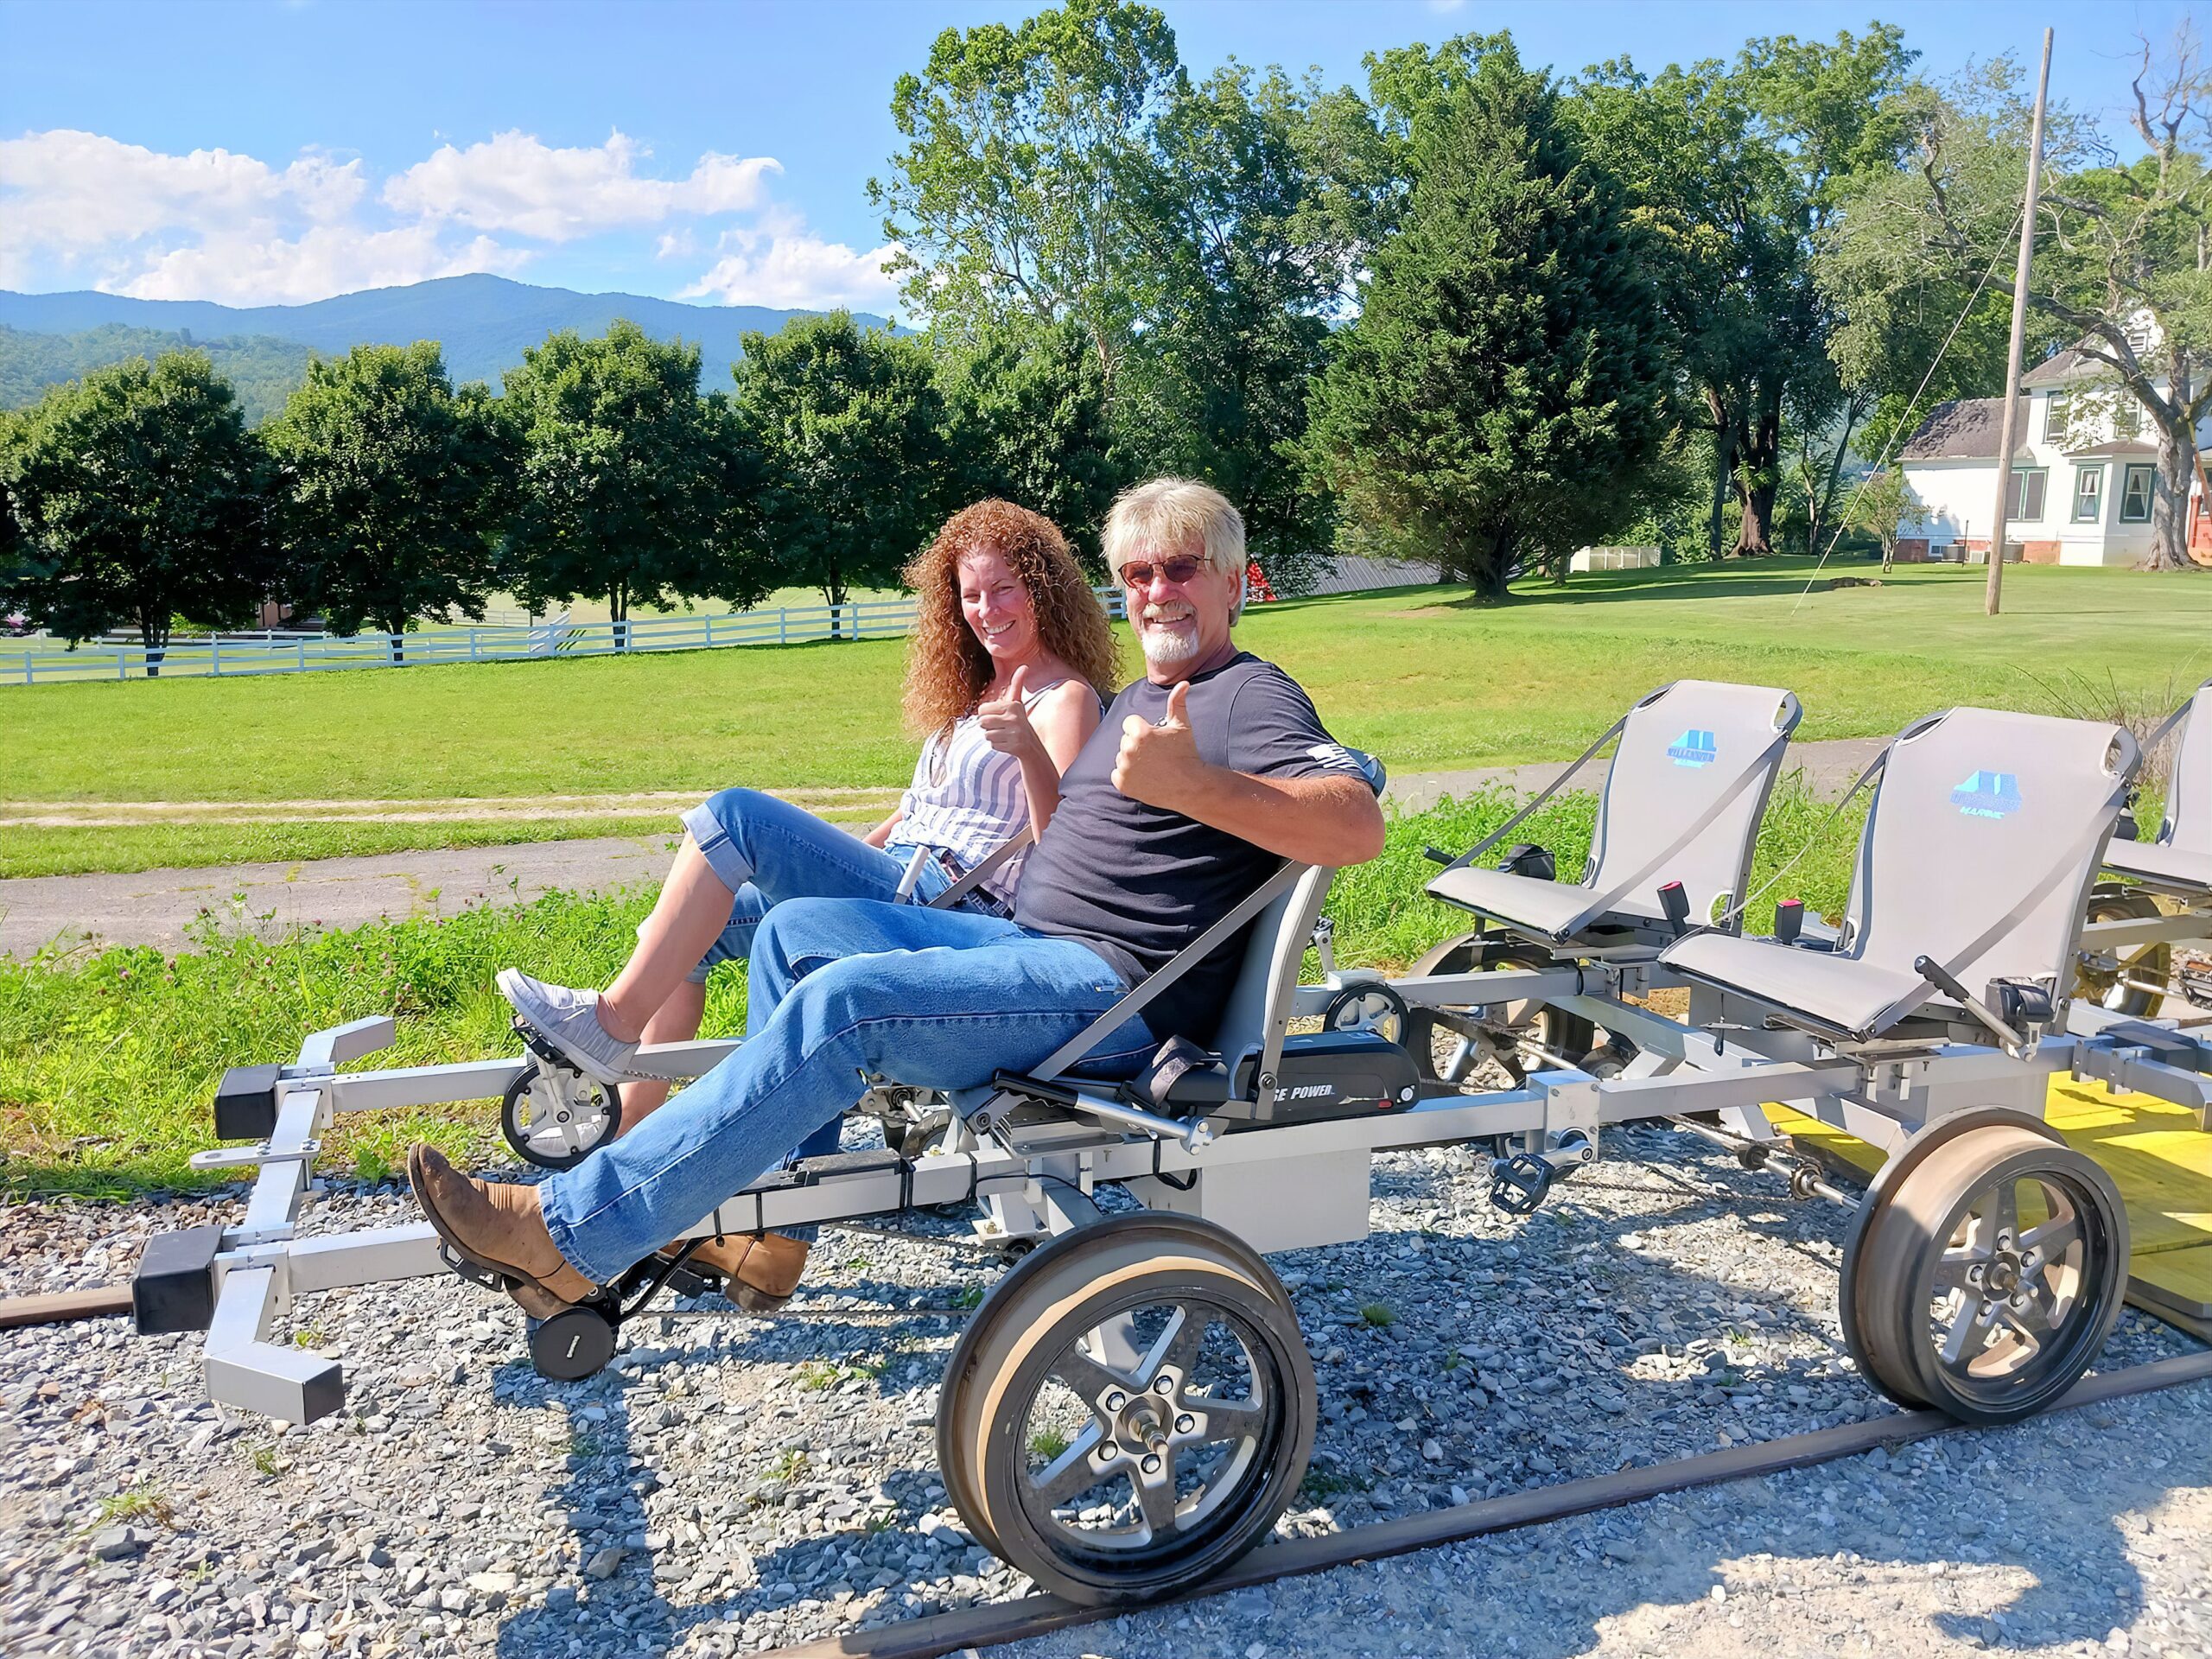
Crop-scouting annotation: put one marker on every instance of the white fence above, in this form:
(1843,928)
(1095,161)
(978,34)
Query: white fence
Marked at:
(277,653)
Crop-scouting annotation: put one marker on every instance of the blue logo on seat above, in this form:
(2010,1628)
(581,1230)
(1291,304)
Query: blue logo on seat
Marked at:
(1989,795)
(1693,749)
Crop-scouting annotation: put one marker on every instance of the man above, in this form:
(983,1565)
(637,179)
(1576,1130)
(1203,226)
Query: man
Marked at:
(1202,777)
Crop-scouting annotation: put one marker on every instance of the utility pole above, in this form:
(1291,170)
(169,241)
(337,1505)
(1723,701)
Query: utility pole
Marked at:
(2005,435)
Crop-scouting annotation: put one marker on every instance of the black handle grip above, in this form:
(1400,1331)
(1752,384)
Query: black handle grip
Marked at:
(1940,977)
(1788,920)
(1437,855)
(1677,905)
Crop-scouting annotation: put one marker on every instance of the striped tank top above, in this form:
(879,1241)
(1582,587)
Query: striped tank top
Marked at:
(966,799)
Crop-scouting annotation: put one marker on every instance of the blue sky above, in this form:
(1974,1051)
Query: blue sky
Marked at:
(271,151)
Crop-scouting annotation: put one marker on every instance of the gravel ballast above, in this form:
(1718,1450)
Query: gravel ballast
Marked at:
(735,1483)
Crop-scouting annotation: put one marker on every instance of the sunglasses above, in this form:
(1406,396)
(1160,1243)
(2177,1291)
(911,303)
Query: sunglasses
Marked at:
(1177,570)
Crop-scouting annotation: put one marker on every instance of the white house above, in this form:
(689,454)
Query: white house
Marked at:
(2084,469)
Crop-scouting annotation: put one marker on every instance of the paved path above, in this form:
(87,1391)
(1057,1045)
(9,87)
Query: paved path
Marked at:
(156,908)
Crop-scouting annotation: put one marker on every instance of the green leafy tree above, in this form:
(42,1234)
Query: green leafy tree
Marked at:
(2123,264)
(617,494)
(1736,172)
(1502,397)
(139,498)
(1026,413)
(388,489)
(1880,506)
(855,469)
(1026,167)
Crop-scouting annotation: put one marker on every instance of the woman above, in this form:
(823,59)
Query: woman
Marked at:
(1010,656)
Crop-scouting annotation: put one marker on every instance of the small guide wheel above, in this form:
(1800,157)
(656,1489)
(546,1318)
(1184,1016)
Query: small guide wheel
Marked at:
(1130,1410)
(574,1342)
(553,1117)
(1988,1278)
(1367,1007)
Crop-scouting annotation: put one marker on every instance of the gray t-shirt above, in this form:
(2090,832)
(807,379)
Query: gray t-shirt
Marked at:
(1137,883)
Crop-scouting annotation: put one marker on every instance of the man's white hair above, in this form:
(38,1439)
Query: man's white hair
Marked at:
(1167,516)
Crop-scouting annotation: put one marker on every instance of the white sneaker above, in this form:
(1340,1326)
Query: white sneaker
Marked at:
(569,1021)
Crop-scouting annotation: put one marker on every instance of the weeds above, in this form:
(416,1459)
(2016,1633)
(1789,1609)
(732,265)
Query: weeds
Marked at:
(1049,1443)
(786,1467)
(1378,1315)
(135,1503)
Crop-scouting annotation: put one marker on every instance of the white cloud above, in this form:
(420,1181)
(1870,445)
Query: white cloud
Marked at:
(782,264)
(513,182)
(68,189)
(79,208)
(326,260)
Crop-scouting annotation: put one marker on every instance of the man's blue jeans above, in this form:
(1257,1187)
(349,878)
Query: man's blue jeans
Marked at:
(840,990)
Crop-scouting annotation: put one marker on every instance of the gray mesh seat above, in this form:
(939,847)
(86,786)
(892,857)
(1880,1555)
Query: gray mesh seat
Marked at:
(1689,782)
(1978,852)
(2180,859)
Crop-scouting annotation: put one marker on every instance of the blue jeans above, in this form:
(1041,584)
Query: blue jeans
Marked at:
(840,989)
(768,851)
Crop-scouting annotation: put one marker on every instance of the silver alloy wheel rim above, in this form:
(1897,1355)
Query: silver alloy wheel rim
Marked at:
(2007,1297)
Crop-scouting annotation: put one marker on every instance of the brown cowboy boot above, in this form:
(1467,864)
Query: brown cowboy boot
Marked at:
(498,1227)
(759,1273)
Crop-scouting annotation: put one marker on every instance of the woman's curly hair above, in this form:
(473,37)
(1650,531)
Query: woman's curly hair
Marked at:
(947,671)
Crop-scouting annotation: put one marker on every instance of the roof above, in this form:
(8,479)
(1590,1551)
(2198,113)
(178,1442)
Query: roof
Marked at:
(2113,446)
(2070,364)
(1964,429)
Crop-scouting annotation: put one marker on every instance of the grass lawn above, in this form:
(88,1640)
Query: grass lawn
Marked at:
(1423,676)
(108,1063)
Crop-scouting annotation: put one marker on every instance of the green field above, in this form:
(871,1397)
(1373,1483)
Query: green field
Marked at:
(1422,677)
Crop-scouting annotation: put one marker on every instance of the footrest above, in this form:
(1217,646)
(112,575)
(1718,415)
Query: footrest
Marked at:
(173,1287)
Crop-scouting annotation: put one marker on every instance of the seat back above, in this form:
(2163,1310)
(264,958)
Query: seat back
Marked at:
(2188,826)
(1975,808)
(1273,951)
(1683,747)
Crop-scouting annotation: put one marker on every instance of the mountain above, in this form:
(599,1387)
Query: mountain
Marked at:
(484,322)
(261,370)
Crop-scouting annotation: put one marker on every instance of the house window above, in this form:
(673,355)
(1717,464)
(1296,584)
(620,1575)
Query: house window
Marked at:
(2027,495)
(2126,417)
(2135,495)
(2088,494)
(2054,418)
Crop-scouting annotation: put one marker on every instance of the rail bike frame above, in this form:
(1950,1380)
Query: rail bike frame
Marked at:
(1035,1171)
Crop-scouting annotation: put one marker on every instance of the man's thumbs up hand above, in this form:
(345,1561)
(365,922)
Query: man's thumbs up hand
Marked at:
(1160,764)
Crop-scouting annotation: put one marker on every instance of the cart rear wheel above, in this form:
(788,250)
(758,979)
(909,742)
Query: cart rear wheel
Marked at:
(1532,1037)
(1989,1277)
(554,1118)
(1130,1409)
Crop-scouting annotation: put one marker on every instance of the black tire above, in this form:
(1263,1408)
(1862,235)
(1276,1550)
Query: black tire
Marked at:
(1955,1228)
(554,1123)
(2111,989)
(1205,1308)
(1568,1036)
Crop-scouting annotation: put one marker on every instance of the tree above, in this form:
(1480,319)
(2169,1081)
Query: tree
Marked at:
(1024,167)
(1737,172)
(139,495)
(387,490)
(1503,390)
(1880,506)
(855,472)
(2123,252)
(1025,414)
(617,493)
(1256,220)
